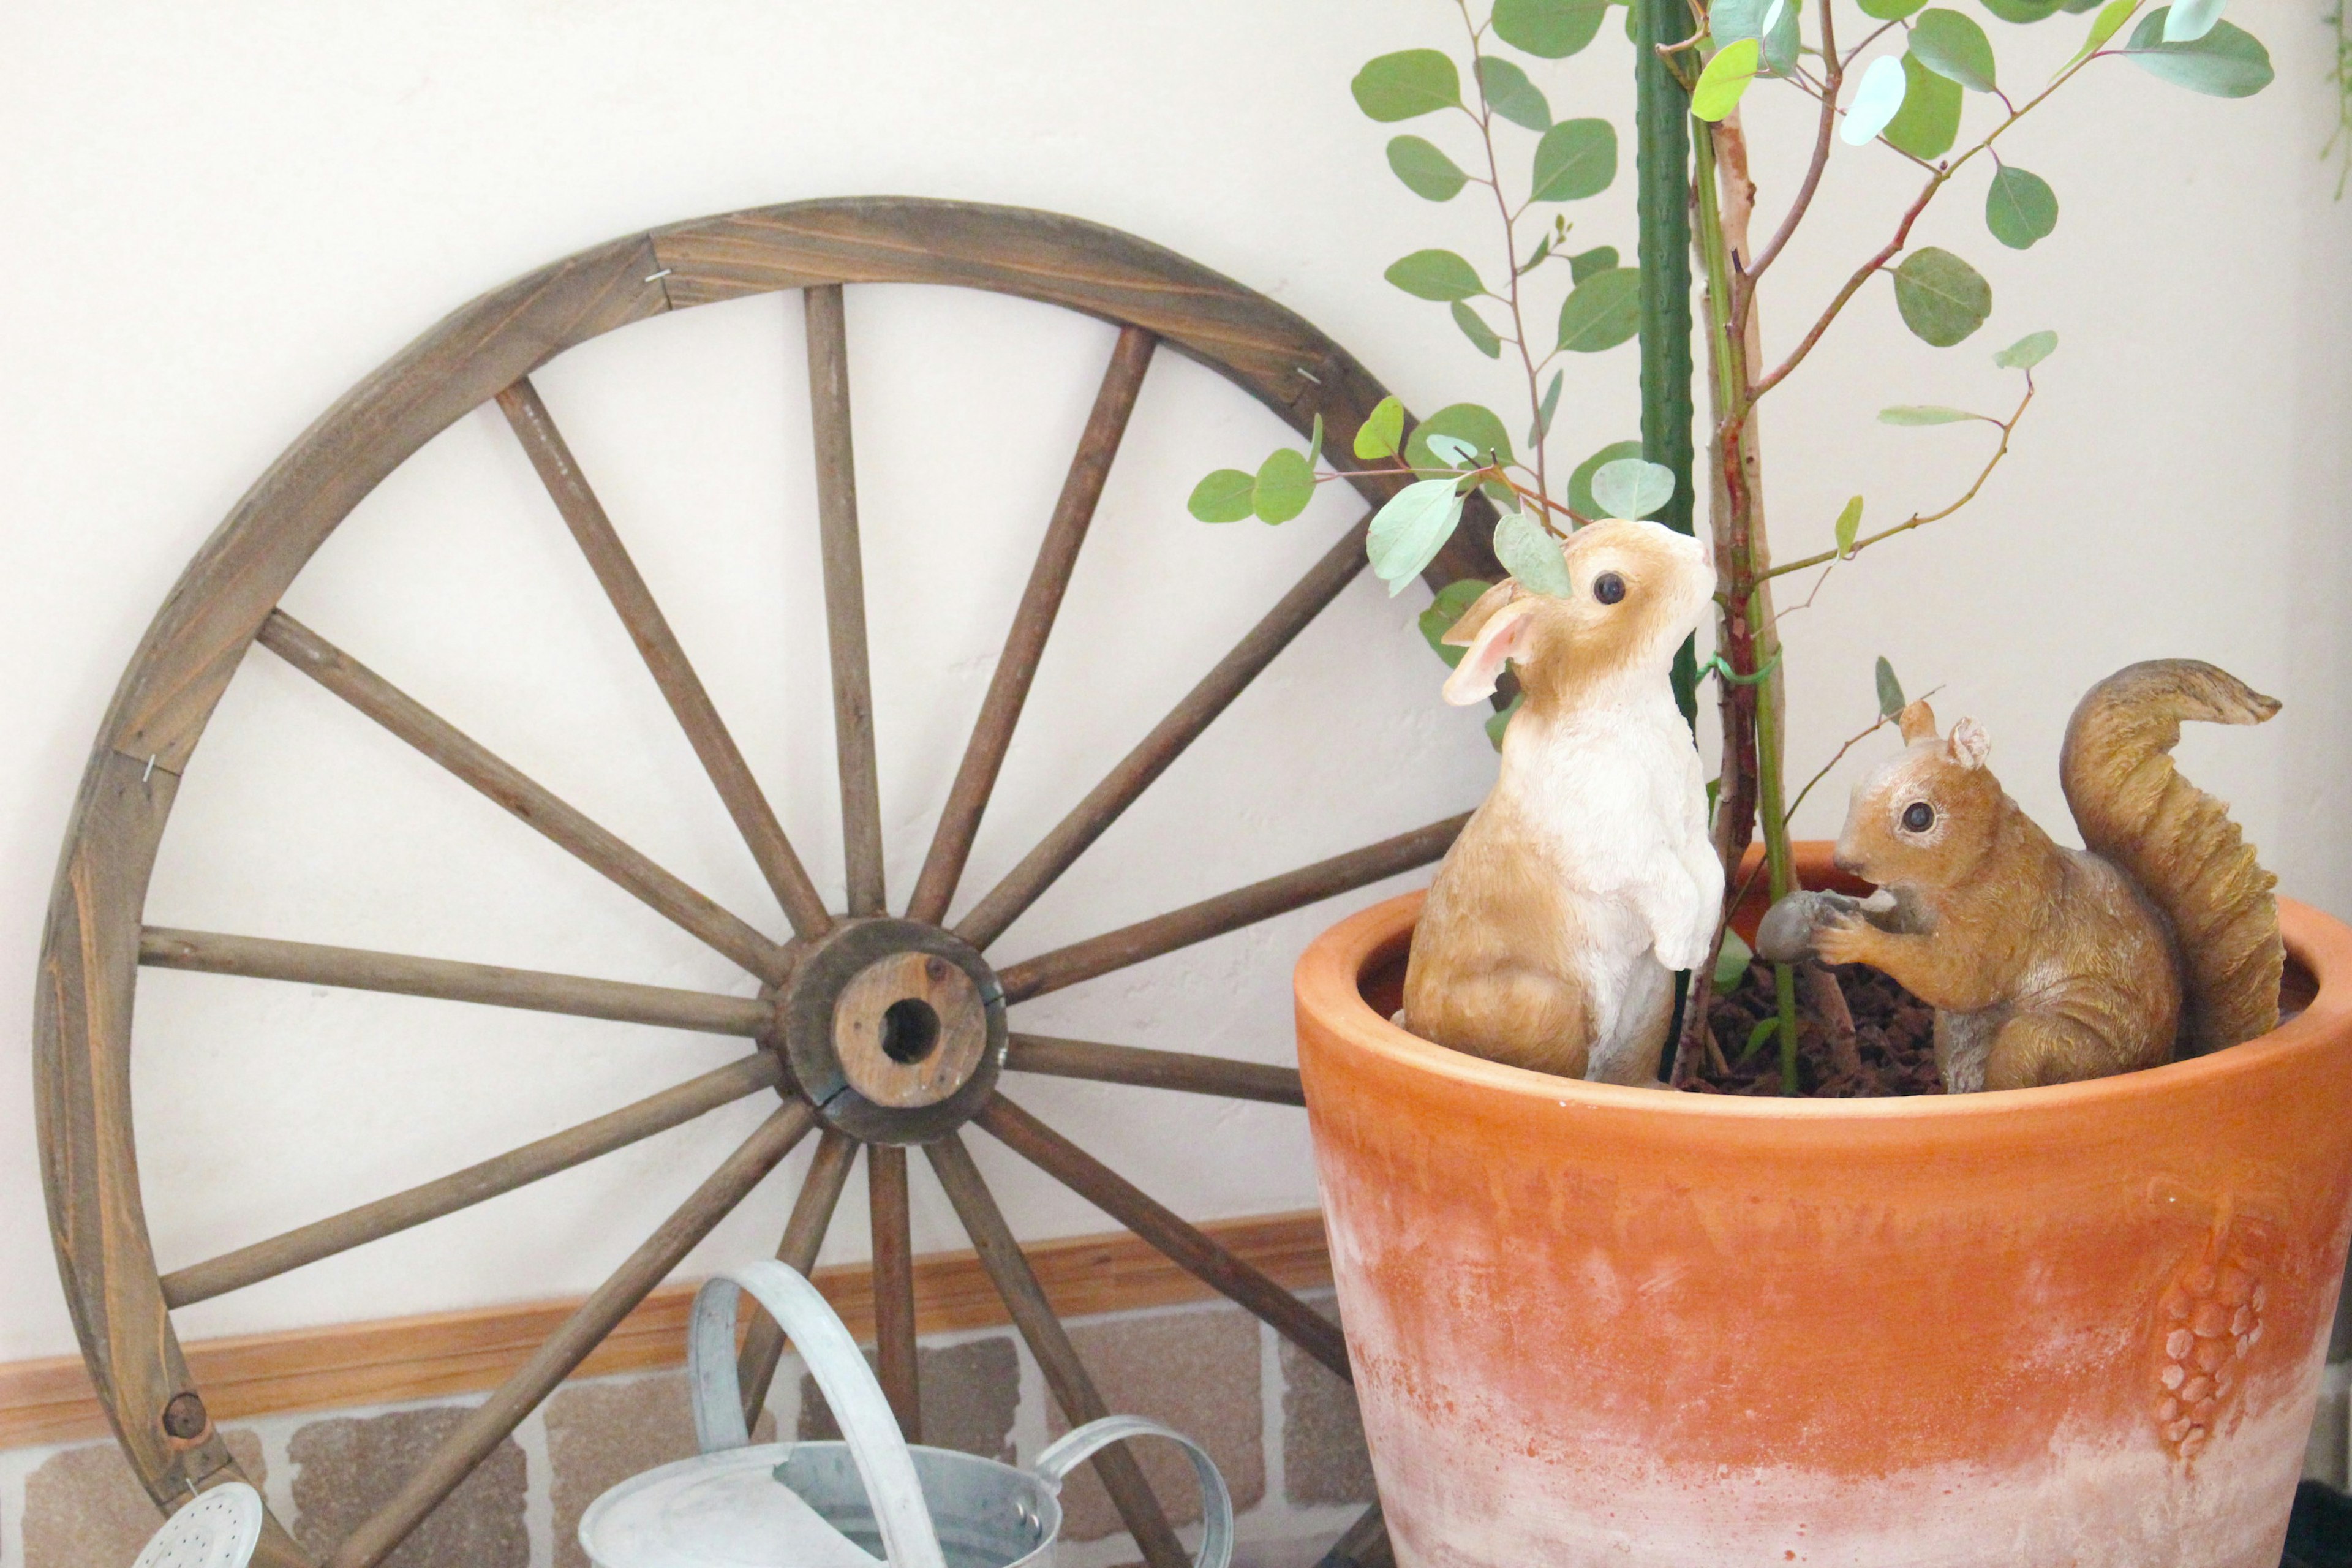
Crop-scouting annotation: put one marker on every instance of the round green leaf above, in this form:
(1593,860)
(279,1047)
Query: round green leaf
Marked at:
(1731,964)
(1602,311)
(1541,428)
(1467,421)
(1630,487)
(1425,170)
(1952,45)
(1772,23)
(1849,526)
(1889,10)
(1435,275)
(1407,84)
(1482,336)
(1924,414)
(1510,94)
(1500,724)
(1284,485)
(1552,29)
(1531,555)
(1726,79)
(1942,298)
(2027,352)
(1222,497)
(1890,690)
(2076,8)
(1580,499)
(1408,532)
(1584,264)
(1452,602)
(2227,62)
(2192,20)
(1382,430)
(1875,101)
(1576,158)
(2021,207)
(1930,116)
(2104,25)
(2024,11)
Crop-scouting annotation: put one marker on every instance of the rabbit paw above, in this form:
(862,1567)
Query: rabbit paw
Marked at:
(1842,938)
(1688,950)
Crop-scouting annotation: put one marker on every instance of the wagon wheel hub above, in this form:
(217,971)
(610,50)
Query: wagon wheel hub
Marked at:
(892,1029)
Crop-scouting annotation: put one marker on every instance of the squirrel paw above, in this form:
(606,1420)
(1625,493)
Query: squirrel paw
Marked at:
(1842,938)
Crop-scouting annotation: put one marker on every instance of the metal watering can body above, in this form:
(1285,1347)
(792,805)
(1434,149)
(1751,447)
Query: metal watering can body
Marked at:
(845,1504)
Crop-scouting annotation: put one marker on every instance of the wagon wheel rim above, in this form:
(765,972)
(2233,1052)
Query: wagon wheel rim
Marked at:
(833,989)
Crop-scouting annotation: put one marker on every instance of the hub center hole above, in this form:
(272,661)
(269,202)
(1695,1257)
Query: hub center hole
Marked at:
(910,1030)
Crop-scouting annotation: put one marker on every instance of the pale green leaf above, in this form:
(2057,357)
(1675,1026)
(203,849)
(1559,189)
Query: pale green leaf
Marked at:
(1584,264)
(1435,275)
(1924,414)
(1531,555)
(1889,10)
(1478,429)
(1542,428)
(1890,690)
(1222,497)
(2106,25)
(1604,311)
(2192,20)
(1849,527)
(1951,43)
(1425,169)
(1510,94)
(1576,158)
(1765,1028)
(1875,101)
(1315,443)
(1942,298)
(1550,29)
(2027,352)
(1726,79)
(1452,602)
(1930,119)
(1731,964)
(2020,207)
(1482,336)
(1383,431)
(1407,84)
(1580,499)
(1631,487)
(2025,11)
(1408,532)
(2227,62)
(1284,484)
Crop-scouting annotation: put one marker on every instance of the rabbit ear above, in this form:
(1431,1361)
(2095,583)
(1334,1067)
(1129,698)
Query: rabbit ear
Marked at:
(1473,679)
(1917,721)
(1970,744)
(1464,631)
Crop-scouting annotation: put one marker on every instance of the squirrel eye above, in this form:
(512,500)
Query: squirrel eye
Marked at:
(1609,587)
(1918,816)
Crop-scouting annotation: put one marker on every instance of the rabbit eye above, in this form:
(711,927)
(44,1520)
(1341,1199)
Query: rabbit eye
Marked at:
(1609,587)
(1918,816)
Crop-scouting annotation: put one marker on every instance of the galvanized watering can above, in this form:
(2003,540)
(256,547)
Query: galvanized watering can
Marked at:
(217,1529)
(844,1504)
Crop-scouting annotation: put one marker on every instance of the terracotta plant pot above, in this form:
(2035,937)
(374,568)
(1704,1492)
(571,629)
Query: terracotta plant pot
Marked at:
(2076,1326)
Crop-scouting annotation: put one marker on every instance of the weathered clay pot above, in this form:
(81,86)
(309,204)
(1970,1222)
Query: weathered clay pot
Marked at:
(2077,1326)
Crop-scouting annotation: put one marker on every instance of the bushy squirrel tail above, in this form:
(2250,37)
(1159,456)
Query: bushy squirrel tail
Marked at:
(2176,841)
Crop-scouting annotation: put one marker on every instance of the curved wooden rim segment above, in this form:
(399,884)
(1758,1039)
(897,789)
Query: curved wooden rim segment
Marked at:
(93,938)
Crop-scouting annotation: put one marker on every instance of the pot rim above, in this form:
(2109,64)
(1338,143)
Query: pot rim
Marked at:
(1325,985)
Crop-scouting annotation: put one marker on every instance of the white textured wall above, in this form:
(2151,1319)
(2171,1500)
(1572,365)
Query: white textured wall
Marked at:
(223,219)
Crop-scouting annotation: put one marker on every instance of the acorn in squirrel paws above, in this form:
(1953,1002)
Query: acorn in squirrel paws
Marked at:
(2046,965)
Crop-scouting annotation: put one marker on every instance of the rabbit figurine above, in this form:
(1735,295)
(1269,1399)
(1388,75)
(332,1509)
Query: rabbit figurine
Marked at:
(1552,935)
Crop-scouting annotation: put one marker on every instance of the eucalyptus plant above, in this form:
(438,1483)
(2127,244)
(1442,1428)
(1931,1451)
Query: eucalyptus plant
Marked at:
(1913,78)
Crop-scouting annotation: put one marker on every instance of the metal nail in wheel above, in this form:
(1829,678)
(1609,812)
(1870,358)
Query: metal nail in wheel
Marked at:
(880,1031)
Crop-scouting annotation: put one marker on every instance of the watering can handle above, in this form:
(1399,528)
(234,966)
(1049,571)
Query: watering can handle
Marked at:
(841,1372)
(1216,1503)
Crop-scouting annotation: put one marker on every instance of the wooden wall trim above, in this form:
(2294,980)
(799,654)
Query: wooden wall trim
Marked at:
(444,1353)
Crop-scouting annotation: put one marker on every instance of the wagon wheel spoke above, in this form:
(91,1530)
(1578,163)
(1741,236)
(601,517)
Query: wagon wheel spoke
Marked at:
(438,739)
(476,1184)
(1229,911)
(894,1285)
(650,630)
(310,964)
(1166,742)
(844,597)
(1008,688)
(490,1423)
(1180,1070)
(764,1342)
(1073,1390)
(1184,1244)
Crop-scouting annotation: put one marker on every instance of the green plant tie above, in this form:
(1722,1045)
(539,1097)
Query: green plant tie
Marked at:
(1717,668)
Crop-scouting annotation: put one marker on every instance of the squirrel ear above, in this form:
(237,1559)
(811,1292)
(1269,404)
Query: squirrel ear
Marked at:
(1473,679)
(1970,744)
(1462,633)
(1917,721)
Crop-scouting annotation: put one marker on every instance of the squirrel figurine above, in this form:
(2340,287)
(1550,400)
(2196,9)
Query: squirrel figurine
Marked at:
(1552,934)
(2046,965)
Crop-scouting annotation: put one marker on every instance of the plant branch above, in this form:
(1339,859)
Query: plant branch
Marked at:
(1510,254)
(1748,274)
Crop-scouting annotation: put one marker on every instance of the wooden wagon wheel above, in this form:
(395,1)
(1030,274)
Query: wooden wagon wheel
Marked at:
(873,1029)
